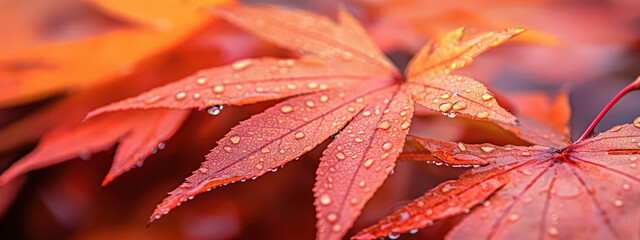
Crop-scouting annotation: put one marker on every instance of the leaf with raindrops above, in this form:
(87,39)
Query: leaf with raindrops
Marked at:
(584,190)
(341,84)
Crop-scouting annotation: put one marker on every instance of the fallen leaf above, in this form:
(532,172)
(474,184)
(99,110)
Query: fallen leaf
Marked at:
(584,190)
(345,82)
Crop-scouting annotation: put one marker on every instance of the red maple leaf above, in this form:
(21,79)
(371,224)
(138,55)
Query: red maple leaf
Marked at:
(584,190)
(342,83)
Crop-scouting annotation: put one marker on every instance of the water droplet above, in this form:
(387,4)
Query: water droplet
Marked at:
(227,148)
(310,104)
(215,109)
(312,85)
(218,89)
(393,235)
(626,187)
(525,153)
(462,147)
(487,149)
(347,56)
(615,129)
(633,159)
(514,217)
(351,109)
(387,146)
(299,135)
(362,183)
(354,201)
(618,203)
(290,62)
(552,231)
(384,125)
(428,212)
(259,166)
(451,115)
(332,217)
(196,96)
(358,140)
(324,98)
(286,108)
(368,163)
(181,95)
(482,115)
(340,156)
(413,231)
(336,228)
(446,188)
(152,100)
(235,139)
(366,113)
(201,80)
(405,125)
(633,165)
(445,96)
(325,199)
(203,170)
(459,105)
(445,107)
(241,65)
(636,122)
(487,96)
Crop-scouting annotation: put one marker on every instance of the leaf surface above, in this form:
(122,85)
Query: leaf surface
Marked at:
(342,81)
(586,190)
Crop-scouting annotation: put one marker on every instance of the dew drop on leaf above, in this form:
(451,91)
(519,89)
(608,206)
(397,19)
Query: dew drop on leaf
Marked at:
(181,95)
(445,107)
(482,115)
(201,80)
(387,146)
(241,65)
(552,231)
(487,96)
(332,217)
(636,122)
(218,89)
(325,199)
(618,203)
(368,163)
(215,109)
(459,105)
(310,104)
(286,109)
(384,125)
(235,139)
(336,228)
(299,135)
(152,100)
